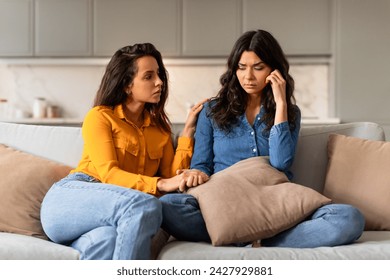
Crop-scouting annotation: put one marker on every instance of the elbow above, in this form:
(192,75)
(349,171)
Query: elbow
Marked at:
(282,165)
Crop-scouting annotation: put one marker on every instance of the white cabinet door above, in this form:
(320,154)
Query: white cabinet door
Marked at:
(63,28)
(210,27)
(302,27)
(118,23)
(16,28)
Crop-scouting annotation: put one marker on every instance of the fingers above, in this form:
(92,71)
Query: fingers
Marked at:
(196,178)
(182,186)
(199,106)
(191,178)
(180,171)
(200,180)
(191,181)
(275,77)
(190,124)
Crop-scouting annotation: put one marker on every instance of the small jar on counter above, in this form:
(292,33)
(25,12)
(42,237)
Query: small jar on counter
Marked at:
(53,111)
(39,108)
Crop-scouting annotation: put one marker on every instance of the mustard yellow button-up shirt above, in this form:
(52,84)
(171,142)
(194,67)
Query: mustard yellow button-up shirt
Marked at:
(118,152)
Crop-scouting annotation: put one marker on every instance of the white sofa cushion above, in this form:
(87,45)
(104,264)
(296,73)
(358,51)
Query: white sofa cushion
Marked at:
(22,247)
(372,245)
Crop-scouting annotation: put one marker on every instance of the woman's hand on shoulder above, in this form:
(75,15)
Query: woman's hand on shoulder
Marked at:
(185,178)
(190,125)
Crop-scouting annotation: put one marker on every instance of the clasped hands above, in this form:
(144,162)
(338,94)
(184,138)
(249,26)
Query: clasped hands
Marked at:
(184,179)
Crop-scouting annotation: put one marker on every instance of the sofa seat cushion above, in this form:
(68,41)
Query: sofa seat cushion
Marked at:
(372,245)
(21,247)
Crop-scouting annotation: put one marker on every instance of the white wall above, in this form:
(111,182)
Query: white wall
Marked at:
(73,86)
(363,61)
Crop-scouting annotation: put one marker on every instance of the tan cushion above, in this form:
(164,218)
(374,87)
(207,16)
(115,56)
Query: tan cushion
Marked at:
(358,174)
(25,179)
(252,200)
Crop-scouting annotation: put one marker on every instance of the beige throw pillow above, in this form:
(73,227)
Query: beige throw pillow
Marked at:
(358,174)
(251,200)
(25,179)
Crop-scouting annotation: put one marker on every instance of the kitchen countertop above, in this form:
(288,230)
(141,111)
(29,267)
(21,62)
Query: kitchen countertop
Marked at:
(46,121)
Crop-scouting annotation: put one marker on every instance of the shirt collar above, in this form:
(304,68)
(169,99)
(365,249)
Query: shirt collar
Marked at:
(118,111)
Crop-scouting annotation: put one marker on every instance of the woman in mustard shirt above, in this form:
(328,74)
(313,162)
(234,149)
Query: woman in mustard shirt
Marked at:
(108,207)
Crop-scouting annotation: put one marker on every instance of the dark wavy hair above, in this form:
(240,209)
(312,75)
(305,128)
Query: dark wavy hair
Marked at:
(231,100)
(120,72)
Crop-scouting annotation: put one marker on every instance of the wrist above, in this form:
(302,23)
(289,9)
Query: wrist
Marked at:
(281,104)
(188,132)
(160,184)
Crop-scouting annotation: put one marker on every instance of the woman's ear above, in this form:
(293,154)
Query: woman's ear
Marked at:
(128,89)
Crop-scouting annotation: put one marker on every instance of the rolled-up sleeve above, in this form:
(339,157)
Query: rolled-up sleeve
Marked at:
(282,144)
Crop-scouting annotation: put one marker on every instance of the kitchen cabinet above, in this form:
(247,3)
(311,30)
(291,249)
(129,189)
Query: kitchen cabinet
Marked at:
(210,28)
(120,23)
(63,28)
(16,28)
(302,27)
(178,28)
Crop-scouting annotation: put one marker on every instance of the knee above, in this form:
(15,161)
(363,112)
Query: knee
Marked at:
(353,226)
(350,216)
(173,204)
(350,222)
(178,199)
(170,198)
(357,221)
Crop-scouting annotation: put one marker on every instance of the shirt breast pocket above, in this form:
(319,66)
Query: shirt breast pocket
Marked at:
(155,155)
(125,149)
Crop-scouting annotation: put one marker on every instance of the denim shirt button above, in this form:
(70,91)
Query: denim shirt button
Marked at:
(254,150)
(252,133)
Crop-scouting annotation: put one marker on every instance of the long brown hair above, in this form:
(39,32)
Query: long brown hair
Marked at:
(120,72)
(231,100)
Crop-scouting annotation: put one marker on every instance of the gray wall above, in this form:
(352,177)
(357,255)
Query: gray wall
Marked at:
(362,56)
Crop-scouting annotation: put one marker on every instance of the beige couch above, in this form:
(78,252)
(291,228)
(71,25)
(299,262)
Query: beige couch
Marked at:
(64,145)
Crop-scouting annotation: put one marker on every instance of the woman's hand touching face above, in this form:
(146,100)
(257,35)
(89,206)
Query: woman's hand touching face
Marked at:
(278,84)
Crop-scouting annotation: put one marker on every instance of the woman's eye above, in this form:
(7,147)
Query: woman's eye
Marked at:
(259,68)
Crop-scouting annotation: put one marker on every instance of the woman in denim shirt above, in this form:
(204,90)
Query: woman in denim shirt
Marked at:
(254,114)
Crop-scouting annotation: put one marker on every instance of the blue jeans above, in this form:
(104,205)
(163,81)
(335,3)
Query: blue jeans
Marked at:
(99,220)
(329,225)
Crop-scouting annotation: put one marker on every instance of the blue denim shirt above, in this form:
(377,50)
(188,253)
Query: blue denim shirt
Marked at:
(216,149)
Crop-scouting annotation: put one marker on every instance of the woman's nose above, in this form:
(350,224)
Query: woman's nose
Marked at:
(159,82)
(248,74)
